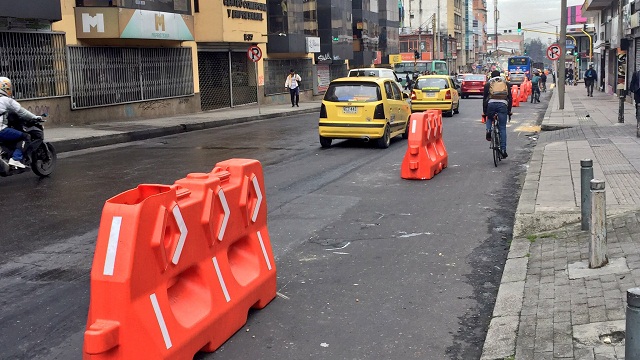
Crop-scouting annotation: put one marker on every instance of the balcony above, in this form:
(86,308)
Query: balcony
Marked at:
(590,5)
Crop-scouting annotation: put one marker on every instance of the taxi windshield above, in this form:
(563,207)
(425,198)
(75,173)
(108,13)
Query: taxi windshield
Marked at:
(353,92)
(434,83)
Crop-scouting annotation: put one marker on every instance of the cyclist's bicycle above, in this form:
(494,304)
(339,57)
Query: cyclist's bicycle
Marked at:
(495,140)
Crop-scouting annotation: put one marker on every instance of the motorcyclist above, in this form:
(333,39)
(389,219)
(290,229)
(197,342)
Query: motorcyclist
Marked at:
(9,106)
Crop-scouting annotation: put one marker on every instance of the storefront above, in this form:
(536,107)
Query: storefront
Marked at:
(225,30)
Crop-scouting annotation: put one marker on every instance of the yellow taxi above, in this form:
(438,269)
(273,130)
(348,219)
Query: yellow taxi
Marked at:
(364,108)
(435,92)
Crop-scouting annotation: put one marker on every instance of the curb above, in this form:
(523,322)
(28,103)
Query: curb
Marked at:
(137,135)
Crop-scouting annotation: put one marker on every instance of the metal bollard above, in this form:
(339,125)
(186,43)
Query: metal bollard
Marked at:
(586,175)
(598,244)
(632,333)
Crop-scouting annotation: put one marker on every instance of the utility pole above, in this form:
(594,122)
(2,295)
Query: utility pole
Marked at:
(437,34)
(495,22)
(563,52)
(433,31)
(621,86)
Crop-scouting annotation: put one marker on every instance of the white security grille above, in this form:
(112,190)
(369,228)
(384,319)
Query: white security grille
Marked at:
(35,62)
(102,76)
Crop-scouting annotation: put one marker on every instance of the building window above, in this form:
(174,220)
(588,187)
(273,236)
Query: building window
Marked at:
(102,76)
(35,62)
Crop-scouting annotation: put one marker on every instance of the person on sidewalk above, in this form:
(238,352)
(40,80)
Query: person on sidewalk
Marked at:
(496,99)
(590,78)
(293,84)
(543,81)
(7,106)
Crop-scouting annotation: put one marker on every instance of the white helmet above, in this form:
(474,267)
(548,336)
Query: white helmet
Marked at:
(6,88)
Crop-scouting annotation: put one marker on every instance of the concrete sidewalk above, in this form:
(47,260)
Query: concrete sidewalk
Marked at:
(68,138)
(548,305)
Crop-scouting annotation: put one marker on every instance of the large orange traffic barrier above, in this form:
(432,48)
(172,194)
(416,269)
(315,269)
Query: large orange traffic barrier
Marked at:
(426,154)
(177,268)
(515,101)
(523,93)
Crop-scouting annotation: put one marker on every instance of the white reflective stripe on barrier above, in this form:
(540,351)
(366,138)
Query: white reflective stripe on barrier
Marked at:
(259,194)
(161,323)
(112,246)
(227,212)
(183,234)
(264,251)
(413,126)
(221,280)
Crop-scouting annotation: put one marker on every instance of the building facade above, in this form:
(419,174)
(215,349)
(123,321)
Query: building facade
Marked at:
(85,61)
(450,23)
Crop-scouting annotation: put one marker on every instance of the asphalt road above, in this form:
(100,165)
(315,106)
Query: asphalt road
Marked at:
(370,266)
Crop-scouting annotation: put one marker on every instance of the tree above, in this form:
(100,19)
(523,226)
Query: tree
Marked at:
(535,49)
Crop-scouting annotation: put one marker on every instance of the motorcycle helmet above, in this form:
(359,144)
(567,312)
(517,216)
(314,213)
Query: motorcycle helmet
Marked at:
(6,88)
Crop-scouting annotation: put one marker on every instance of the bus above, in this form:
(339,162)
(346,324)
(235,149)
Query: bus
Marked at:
(411,67)
(520,64)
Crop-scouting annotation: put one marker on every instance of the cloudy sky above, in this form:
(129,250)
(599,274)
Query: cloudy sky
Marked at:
(532,14)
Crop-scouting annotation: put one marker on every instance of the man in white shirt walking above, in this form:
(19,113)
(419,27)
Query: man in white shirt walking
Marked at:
(293,84)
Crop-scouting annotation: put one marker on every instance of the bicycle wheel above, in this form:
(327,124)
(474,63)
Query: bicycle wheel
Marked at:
(495,144)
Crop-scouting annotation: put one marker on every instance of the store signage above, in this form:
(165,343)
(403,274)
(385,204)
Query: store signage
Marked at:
(313,44)
(114,23)
(245,14)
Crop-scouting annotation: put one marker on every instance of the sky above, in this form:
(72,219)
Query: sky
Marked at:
(531,13)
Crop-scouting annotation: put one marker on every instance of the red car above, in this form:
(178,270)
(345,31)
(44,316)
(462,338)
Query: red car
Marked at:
(472,84)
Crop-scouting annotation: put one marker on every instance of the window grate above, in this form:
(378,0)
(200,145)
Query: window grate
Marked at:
(35,62)
(101,76)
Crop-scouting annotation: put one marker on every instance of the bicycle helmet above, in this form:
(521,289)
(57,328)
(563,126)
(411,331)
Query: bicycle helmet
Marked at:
(6,88)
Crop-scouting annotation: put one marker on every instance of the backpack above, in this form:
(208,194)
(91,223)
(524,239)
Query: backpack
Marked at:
(498,89)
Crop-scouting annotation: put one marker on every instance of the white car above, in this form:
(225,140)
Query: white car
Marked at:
(376,72)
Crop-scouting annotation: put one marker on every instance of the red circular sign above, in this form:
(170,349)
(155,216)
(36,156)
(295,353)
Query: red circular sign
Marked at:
(254,53)
(553,52)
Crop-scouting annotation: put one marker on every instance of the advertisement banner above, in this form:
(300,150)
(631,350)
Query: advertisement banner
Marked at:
(143,24)
(313,44)
(324,78)
(622,69)
(114,23)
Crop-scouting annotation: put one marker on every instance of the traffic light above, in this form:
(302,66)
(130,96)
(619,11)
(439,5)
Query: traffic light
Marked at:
(416,54)
(519,27)
(335,38)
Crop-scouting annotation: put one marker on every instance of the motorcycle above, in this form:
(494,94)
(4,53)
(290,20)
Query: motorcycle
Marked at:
(39,155)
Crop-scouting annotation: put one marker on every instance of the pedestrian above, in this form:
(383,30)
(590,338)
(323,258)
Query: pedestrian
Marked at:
(590,78)
(409,82)
(293,84)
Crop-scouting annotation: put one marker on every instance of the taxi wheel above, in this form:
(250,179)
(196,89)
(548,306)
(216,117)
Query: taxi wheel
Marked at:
(457,110)
(405,135)
(385,140)
(325,142)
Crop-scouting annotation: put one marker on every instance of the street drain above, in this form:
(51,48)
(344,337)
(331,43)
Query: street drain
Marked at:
(614,338)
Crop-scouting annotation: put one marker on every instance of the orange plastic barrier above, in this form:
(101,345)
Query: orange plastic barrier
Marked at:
(177,268)
(426,154)
(514,96)
(523,93)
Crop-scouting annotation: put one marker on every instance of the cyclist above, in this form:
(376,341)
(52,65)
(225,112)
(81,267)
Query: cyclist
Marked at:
(535,87)
(496,99)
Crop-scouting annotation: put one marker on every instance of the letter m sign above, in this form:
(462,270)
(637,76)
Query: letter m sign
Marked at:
(89,22)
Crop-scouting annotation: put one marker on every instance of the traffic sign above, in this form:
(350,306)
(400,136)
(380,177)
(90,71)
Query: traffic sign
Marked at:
(553,52)
(473,66)
(395,59)
(254,53)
